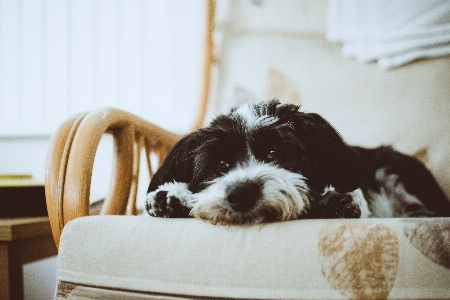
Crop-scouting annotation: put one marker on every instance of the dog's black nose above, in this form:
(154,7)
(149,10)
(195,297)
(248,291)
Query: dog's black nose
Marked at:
(243,196)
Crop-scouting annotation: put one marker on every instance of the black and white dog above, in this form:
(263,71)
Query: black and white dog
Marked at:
(268,162)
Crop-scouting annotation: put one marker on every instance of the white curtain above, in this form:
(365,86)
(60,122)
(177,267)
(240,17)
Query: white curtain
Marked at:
(58,58)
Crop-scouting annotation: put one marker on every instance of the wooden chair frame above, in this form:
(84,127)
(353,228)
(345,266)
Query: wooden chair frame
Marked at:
(70,161)
(72,150)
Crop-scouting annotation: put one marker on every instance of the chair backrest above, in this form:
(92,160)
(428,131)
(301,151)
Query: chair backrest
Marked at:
(279,49)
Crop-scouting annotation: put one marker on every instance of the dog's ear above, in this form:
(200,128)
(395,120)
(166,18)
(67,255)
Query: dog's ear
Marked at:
(332,161)
(178,165)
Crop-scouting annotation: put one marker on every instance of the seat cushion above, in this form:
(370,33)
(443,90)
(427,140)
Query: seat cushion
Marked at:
(147,257)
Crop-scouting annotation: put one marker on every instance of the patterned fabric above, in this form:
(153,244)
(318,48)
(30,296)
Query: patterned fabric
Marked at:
(359,261)
(278,86)
(67,291)
(305,259)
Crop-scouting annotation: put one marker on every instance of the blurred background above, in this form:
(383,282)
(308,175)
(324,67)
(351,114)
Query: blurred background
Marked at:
(58,58)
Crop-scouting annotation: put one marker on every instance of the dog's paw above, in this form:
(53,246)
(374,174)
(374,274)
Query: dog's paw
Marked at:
(333,205)
(170,200)
(346,207)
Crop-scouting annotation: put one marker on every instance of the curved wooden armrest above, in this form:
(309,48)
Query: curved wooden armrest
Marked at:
(70,159)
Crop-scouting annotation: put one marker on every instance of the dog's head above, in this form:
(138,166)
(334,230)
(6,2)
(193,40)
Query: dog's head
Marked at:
(260,163)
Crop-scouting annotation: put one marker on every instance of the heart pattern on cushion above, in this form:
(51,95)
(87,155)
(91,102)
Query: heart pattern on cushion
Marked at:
(359,261)
(280,86)
(432,238)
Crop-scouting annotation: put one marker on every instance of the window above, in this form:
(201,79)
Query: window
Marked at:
(58,58)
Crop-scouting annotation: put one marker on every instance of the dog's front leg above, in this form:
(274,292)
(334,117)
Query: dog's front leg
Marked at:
(170,200)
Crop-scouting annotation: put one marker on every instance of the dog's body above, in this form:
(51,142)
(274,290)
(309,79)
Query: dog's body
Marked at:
(268,162)
(398,185)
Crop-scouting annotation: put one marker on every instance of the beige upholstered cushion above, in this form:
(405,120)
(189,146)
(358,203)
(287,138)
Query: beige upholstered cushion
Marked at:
(306,259)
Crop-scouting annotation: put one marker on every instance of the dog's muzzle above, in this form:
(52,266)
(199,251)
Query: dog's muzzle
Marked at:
(250,194)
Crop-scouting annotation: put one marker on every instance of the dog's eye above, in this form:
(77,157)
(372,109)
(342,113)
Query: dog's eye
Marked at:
(272,154)
(223,165)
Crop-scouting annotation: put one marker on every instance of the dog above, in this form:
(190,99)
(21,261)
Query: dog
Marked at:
(269,162)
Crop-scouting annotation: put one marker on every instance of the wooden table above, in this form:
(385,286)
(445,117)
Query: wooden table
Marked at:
(22,240)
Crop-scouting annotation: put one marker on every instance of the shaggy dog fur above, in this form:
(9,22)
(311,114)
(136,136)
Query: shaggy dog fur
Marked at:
(268,162)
